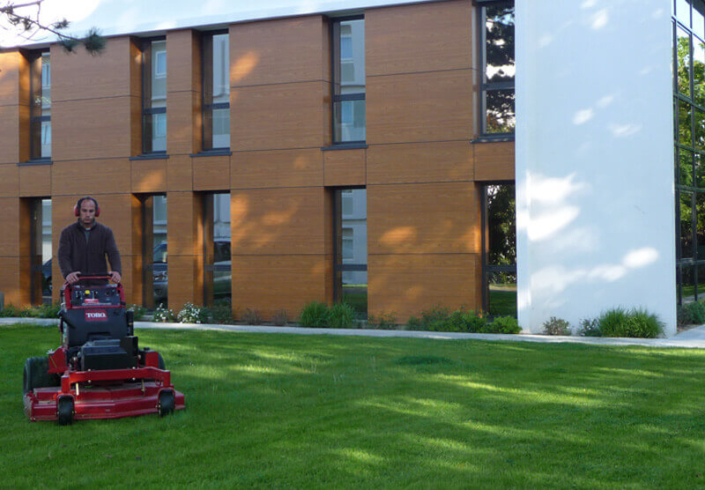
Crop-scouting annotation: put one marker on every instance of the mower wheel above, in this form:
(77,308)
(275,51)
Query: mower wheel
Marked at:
(36,375)
(64,411)
(167,403)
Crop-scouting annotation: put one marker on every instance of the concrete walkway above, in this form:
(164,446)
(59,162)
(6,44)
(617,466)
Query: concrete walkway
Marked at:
(690,339)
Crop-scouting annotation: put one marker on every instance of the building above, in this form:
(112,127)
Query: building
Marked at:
(368,154)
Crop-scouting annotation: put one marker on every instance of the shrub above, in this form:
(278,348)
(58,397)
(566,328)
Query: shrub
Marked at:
(383,321)
(314,314)
(251,316)
(502,324)
(49,311)
(191,313)
(556,326)
(590,327)
(691,313)
(163,314)
(222,313)
(435,318)
(618,322)
(341,315)
(414,323)
(463,321)
(138,312)
(280,318)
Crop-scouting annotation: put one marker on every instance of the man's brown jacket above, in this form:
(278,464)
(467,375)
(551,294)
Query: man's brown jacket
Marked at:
(77,254)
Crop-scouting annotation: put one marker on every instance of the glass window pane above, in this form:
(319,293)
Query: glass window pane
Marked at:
(46,84)
(683,53)
(352,57)
(700,226)
(685,111)
(686,168)
(502,293)
(159,132)
(688,283)
(683,11)
(501,224)
(699,139)
(699,71)
(217,242)
(499,43)
(221,69)
(354,290)
(699,17)
(159,236)
(686,216)
(500,116)
(349,117)
(221,128)
(158,74)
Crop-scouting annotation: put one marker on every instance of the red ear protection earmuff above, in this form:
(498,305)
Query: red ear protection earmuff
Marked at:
(77,207)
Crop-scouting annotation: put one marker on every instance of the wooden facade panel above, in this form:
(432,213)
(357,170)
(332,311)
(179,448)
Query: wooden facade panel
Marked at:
(283,168)
(271,283)
(409,284)
(12,64)
(345,167)
(494,161)
(396,113)
(277,51)
(423,218)
(426,37)
(274,117)
(179,173)
(183,59)
(10,133)
(183,281)
(10,224)
(183,215)
(9,180)
(420,162)
(81,75)
(183,123)
(149,176)
(91,176)
(285,221)
(211,173)
(14,290)
(35,180)
(96,128)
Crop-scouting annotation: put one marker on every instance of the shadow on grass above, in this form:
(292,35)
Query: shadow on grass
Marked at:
(283,410)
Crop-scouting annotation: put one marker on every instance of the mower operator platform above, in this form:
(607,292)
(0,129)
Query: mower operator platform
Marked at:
(99,371)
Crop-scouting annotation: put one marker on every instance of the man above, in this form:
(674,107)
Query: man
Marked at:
(84,245)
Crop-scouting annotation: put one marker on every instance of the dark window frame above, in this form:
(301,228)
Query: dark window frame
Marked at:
(147,110)
(485,86)
(206,86)
(693,261)
(334,35)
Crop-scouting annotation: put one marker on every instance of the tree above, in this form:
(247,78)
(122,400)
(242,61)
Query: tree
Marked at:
(25,19)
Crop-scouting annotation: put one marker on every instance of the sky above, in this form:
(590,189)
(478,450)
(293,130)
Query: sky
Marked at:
(137,16)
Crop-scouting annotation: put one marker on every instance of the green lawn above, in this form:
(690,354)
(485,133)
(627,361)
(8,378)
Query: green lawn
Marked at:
(285,411)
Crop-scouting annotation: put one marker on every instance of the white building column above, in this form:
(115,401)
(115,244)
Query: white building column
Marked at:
(594,159)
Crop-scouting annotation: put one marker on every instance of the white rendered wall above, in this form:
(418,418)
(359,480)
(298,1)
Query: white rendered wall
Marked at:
(594,159)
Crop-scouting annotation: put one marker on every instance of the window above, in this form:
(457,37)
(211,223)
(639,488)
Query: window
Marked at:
(499,250)
(40,106)
(497,84)
(216,90)
(153,96)
(154,251)
(40,251)
(349,80)
(216,254)
(350,254)
(689,137)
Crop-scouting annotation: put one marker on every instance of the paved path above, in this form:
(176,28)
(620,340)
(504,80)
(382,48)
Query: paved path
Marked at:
(691,339)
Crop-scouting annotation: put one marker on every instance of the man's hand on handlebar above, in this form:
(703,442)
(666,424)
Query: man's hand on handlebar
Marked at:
(116,277)
(73,277)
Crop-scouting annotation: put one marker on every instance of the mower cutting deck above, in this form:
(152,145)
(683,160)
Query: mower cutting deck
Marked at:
(99,372)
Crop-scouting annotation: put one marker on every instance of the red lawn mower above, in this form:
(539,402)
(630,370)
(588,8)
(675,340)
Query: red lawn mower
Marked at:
(99,372)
